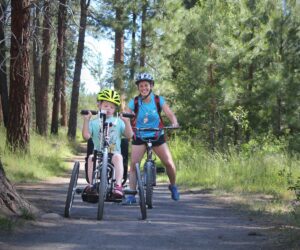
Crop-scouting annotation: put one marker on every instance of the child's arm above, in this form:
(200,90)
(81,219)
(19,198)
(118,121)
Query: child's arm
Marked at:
(85,129)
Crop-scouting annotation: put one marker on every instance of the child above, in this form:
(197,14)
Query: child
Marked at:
(108,101)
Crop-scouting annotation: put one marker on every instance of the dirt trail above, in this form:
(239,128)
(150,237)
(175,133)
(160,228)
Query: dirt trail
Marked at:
(197,221)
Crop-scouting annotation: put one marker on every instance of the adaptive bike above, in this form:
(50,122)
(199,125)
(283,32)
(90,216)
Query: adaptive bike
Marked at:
(150,170)
(103,176)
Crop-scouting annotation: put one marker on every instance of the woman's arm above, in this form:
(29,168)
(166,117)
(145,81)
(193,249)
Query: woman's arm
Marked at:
(169,113)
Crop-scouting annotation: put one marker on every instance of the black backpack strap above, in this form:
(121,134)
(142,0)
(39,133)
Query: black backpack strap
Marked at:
(136,105)
(136,110)
(157,102)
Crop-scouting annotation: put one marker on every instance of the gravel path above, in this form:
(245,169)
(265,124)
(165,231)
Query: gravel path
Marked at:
(197,221)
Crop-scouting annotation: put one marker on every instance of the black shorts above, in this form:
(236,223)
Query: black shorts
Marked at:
(156,141)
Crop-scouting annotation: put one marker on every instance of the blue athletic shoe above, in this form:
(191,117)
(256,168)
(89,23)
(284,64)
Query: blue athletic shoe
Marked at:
(130,200)
(174,191)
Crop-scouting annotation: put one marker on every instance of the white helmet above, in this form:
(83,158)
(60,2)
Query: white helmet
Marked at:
(144,77)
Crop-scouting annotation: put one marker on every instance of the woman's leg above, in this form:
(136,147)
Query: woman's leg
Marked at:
(137,153)
(165,156)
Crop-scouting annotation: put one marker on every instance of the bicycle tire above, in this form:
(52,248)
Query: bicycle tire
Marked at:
(102,186)
(141,192)
(72,189)
(149,183)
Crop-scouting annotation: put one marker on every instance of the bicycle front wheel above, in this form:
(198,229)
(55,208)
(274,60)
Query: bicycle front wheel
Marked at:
(141,192)
(149,183)
(72,189)
(102,186)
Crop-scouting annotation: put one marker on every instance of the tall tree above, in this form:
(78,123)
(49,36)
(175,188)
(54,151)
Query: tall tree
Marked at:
(63,96)
(60,62)
(18,122)
(36,62)
(84,4)
(42,88)
(3,70)
(119,51)
(143,35)
(133,46)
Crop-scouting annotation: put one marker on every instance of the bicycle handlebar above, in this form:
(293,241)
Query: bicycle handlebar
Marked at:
(94,112)
(128,115)
(86,112)
(155,129)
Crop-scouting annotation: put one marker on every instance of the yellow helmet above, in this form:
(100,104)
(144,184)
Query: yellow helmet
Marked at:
(110,96)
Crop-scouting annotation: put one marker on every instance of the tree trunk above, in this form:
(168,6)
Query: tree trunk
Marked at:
(63,97)
(59,69)
(278,116)
(3,71)
(119,52)
(133,48)
(36,61)
(78,66)
(18,122)
(213,108)
(143,37)
(11,203)
(250,80)
(42,108)
(1,114)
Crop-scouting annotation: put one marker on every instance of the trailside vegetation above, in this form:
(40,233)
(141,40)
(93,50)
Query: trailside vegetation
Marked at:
(229,69)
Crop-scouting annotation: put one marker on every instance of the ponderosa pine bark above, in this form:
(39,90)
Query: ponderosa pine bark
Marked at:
(77,72)
(18,122)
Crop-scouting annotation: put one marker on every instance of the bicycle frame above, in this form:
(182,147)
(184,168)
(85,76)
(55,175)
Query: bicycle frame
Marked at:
(103,177)
(149,166)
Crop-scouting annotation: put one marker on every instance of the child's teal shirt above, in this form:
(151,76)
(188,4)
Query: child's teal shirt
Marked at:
(116,132)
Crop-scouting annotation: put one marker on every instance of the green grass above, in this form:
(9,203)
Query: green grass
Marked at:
(7,224)
(46,158)
(269,172)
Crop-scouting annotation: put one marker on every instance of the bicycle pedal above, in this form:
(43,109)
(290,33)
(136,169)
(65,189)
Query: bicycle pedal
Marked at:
(131,192)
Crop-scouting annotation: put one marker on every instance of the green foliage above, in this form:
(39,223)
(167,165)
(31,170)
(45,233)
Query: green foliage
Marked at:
(253,52)
(27,215)
(45,158)
(296,188)
(261,167)
(6,224)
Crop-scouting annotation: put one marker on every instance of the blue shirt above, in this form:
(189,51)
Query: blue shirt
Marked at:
(148,116)
(116,132)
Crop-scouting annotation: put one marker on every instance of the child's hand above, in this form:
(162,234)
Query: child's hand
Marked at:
(124,119)
(126,116)
(88,116)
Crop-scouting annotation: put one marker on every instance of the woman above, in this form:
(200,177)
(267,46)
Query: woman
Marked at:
(146,106)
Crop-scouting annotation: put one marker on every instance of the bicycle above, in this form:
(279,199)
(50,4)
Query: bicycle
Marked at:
(150,170)
(103,174)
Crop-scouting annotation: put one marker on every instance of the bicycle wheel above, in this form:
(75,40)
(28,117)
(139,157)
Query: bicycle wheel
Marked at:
(72,189)
(141,192)
(149,183)
(102,186)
